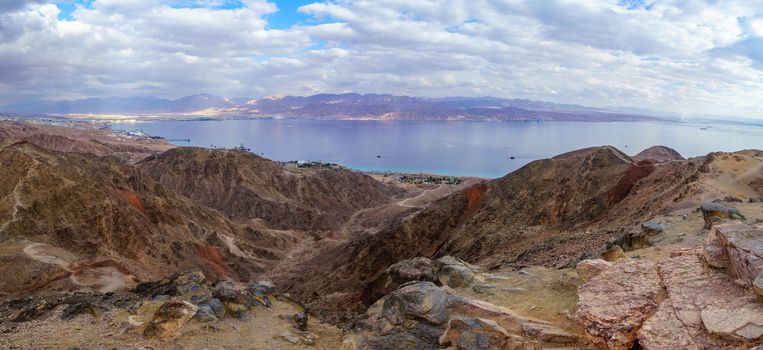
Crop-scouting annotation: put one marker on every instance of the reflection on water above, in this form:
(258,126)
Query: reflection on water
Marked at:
(452,148)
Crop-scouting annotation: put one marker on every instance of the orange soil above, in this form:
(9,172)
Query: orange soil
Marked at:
(214,258)
(133,199)
(474,194)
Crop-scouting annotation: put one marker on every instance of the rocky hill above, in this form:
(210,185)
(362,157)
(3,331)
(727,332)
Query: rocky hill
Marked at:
(245,187)
(552,212)
(71,220)
(658,154)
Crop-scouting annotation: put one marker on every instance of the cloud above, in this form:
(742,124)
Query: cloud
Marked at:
(682,57)
(14,5)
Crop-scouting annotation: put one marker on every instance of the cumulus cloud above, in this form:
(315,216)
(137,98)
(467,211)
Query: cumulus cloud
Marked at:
(14,5)
(683,57)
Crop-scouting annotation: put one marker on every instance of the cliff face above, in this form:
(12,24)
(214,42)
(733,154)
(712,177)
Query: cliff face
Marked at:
(245,186)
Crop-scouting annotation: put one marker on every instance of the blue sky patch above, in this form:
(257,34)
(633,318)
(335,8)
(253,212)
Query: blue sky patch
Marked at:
(286,16)
(634,4)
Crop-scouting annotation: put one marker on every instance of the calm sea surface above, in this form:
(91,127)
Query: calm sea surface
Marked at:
(451,148)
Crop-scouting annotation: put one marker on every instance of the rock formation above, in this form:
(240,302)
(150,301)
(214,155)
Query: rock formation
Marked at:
(680,302)
(714,212)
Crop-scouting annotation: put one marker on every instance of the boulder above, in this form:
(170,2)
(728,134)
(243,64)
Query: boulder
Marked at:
(259,292)
(168,320)
(737,247)
(456,276)
(413,316)
(587,269)
(421,300)
(217,307)
(472,333)
(713,213)
(416,269)
(714,250)
(205,314)
(650,229)
(239,299)
(613,304)
(613,254)
(455,273)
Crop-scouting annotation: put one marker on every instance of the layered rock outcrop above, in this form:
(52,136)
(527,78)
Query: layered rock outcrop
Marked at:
(738,248)
(687,301)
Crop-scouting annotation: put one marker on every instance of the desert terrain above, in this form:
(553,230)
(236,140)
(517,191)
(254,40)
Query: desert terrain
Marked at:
(111,241)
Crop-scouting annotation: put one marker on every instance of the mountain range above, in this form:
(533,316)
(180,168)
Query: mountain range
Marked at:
(334,106)
(117,105)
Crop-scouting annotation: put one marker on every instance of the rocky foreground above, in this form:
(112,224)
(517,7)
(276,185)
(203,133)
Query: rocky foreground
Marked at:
(221,249)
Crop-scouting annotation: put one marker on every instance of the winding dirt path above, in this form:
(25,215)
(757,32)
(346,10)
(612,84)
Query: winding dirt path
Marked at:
(404,202)
(433,194)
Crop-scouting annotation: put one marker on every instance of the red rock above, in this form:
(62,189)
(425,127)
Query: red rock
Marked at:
(613,305)
(737,247)
(704,309)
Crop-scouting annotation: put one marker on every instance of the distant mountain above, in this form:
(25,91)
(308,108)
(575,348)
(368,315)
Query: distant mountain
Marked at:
(337,106)
(390,107)
(121,105)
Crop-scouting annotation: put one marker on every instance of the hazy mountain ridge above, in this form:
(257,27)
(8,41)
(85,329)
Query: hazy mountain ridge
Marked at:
(115,105)
(337,106)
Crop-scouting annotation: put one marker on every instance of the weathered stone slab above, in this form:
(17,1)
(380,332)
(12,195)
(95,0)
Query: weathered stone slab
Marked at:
(613,305)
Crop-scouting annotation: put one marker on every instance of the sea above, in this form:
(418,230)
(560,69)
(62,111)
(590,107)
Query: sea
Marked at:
(455,148)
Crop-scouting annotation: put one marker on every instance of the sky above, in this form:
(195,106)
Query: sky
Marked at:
(693,58)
